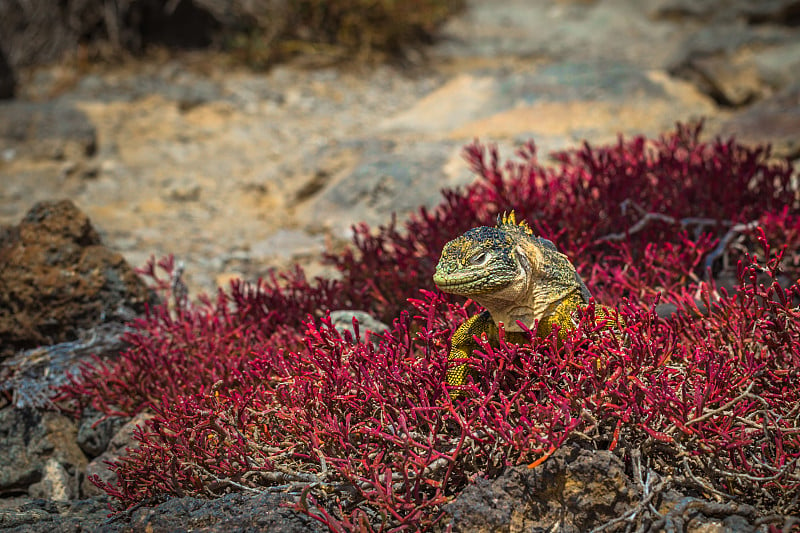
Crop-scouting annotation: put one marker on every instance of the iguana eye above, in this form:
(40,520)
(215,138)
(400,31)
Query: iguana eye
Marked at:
(479,259)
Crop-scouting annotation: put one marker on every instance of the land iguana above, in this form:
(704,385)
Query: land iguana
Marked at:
(517,277)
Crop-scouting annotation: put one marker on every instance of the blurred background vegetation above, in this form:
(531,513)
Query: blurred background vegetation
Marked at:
(257,32)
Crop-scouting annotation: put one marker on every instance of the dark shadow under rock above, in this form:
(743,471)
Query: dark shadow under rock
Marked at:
(8,80)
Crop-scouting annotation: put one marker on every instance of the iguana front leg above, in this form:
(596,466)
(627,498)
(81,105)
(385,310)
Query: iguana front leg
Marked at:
(463,342)
(462,347)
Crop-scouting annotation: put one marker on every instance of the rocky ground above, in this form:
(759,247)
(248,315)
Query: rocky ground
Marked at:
(237,173)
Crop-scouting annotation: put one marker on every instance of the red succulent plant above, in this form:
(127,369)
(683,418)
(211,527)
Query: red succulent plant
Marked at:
(257,390)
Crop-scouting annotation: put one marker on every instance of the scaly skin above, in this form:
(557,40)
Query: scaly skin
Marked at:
(517,277)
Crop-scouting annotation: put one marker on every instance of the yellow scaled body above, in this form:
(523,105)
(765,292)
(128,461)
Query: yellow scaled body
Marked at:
(463,341)
(518,277)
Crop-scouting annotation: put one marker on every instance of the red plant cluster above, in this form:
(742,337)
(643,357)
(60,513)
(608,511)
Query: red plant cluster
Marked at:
(257,390)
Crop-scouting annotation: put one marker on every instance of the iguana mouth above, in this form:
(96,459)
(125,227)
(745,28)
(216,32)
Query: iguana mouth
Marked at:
(462,279)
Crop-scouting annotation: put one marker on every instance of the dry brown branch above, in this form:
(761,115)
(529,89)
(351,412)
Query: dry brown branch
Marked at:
(697,222)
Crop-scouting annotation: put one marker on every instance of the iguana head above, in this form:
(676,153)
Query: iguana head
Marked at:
(509,270)
(480,261)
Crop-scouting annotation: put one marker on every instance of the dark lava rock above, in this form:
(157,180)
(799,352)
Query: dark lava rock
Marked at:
(47,516)
(41,456)
(121,443)
(231,513)
(575,488)
(57,279)
(31,377)
(96,430)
